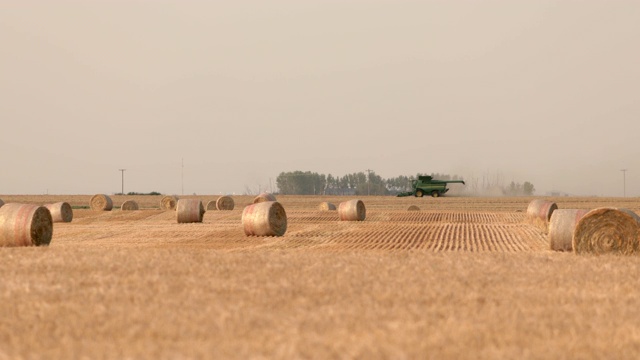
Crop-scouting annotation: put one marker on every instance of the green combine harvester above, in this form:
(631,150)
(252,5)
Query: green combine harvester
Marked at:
(426,185)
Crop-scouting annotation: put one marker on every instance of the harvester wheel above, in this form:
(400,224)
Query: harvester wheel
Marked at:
(435,193)
(419,193)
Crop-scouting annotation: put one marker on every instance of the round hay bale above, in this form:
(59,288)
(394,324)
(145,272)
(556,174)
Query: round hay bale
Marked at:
(225,203)
(1,202)
(266,218)
(264,197)
(25,225)
(60,212)
(413,208)
(607,230)
(539,212)
(168,202)
(101,202)
(352,210)
(326,206)
(561,226)
(129,205)
(189,211)
(211,205)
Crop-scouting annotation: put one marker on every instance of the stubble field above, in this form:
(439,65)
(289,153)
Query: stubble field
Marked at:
(461,278)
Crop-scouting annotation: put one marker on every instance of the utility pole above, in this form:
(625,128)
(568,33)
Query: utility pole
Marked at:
(624,182)
(182,174)
(122,171)
(368,180)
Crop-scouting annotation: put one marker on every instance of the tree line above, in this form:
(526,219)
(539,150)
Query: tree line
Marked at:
(370,183)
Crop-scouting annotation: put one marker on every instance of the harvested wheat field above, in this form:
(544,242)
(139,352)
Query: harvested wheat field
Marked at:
(459,278)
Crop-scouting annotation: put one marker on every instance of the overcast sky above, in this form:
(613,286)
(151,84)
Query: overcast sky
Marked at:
(539,91)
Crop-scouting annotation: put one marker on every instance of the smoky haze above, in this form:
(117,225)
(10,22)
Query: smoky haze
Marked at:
(538,91)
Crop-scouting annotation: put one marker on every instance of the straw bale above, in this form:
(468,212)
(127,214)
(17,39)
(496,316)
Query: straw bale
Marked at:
(352,210)
(225,203)
(1,202)
(189,211)
(264,197)
(266,218)
(413,208)
(168,202)
(607,230)
(60,212)
(211,205)
(25,225)
(101,202)
(326,206)
(129,205)
(561,226)
(539,212)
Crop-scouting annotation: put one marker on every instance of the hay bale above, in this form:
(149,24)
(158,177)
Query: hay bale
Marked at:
(225,203)
(60,212)
(189,211)
(101,202)
(352,210)
(129,205)
(413,208)
(25,225)
(264,197)
(1,202)
(266,218)
(326,206)
(539,212)
(168,202)
(607,230)
(211,205)
(561,226)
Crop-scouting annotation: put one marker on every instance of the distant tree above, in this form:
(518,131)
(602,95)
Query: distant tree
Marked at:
(301,183)
(528,188)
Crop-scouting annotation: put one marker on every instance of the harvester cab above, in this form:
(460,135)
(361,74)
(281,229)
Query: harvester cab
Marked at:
(426,185)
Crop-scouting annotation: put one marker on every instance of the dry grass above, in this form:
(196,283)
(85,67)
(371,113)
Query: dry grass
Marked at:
(463,278)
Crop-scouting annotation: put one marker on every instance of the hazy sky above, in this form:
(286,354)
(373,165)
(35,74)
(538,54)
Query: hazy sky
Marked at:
(539,91)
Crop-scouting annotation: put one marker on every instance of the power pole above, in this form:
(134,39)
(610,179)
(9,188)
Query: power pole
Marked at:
(182,174)
(122,171)
(624,182)
(368,180)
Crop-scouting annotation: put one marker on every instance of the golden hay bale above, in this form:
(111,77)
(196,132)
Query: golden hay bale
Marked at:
(539,212)
(189,211)
(60,212)
(225,203)
(607,230)
(561,226)
(266,218)
(129,205)
(326,206)
(413,208)
(25,225)
(211,205)
(352,210)
(168,202)
(264,197)
(101,202)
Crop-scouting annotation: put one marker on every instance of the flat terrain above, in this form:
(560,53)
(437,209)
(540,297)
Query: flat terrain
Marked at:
(461,278)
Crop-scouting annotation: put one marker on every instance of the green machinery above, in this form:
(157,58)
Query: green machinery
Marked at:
(426,185)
